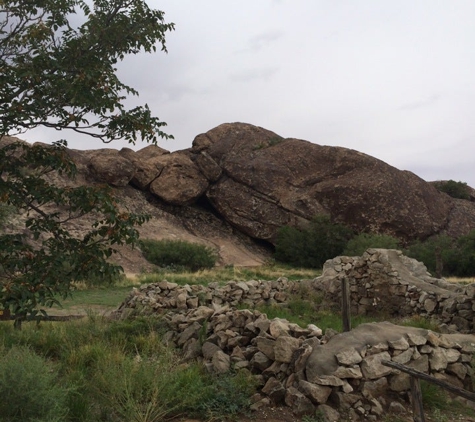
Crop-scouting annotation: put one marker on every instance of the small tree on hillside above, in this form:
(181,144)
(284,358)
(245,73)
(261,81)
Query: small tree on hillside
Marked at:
(459,190)
(57,70)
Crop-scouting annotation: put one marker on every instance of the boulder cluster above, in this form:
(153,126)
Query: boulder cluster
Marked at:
(384,281)
(258,182)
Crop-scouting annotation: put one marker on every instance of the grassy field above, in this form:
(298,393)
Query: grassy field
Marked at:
(95,369)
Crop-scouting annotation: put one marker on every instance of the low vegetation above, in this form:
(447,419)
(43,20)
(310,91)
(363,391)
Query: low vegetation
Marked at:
(95,369)
(229,272)
(311,246)
(178,254)
(459,190)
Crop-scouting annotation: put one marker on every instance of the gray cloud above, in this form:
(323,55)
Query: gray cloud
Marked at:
(421,103)
(247,75)
(264,39)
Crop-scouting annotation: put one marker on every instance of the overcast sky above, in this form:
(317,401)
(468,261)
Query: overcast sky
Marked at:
(394,79)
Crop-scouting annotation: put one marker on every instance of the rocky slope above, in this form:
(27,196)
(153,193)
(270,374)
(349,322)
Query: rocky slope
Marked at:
(239,183)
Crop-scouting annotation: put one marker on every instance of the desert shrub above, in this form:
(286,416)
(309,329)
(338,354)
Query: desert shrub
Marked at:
(455,189)
(178,254)
(358,244)
(29,388)
(311,246)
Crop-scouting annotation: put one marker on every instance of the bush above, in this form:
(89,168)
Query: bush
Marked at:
(435,252)
(227,396)
(444,256)
(178,254)
(312,246)
(363,241)
(455,189)
(29,388)
(461,260)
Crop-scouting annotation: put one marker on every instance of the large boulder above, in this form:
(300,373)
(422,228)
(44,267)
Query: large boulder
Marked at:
(145,161)
(106,165)
(180,181)
(269,181)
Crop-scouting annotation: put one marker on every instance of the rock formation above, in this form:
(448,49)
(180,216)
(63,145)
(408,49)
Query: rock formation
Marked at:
(257,181)
(252,181)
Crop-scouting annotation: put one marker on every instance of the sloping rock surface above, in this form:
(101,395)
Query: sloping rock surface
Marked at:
(269,181)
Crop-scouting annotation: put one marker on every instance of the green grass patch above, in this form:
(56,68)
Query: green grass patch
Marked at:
(107,297)
(98,370)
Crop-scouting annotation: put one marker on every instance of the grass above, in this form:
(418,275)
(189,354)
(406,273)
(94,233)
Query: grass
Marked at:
(461,280)
(227,273)
(121,370)
(98,370)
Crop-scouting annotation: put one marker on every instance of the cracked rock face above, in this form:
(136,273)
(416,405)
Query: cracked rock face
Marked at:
(269,181)
(256,181)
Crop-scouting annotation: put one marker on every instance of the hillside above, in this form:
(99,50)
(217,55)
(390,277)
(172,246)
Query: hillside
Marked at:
(239,183)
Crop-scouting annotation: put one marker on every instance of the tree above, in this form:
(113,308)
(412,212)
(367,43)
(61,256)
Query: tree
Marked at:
(459,190)
(436,253)
(58,75)
(57,70)
(358,244)
(311,246)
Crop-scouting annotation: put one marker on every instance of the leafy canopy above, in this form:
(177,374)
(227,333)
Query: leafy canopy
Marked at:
(311,246)
(58,69)
(62,75)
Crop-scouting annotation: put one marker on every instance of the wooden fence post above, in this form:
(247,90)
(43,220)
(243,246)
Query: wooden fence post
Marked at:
(417,407)
(416,376)
(346,311)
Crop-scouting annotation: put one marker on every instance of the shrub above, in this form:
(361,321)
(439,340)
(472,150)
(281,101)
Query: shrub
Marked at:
(461,259)
(312,246)
(443,255)
(227,396)
(455,189)
(29,388)
(363,241)
(178,254)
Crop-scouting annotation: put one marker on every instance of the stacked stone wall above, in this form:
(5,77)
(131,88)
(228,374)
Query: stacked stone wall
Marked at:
(305,368)
(387,282)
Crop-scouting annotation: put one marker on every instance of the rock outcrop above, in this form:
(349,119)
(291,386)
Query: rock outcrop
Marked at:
(254,181)
(257,181)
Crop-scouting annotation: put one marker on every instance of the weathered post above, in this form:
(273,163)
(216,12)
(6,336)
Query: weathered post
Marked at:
(346,311)
(417,407)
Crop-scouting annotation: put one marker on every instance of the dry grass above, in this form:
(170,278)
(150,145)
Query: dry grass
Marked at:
(461,280)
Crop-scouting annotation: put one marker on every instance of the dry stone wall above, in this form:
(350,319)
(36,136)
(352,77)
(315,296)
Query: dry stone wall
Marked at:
(385,281)
(305,368)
